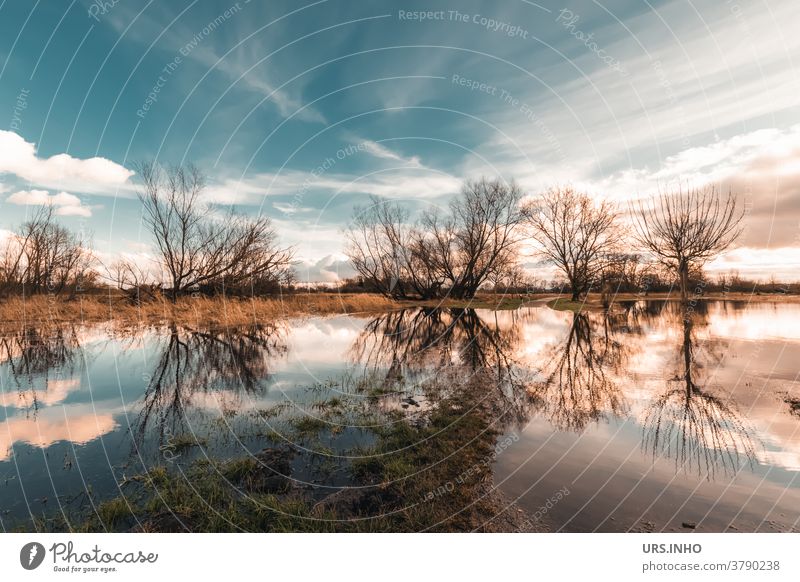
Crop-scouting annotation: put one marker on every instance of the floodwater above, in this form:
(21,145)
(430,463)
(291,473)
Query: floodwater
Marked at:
(643,419)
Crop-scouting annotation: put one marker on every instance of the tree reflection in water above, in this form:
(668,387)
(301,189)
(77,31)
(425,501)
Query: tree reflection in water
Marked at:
(687,422)
(222,363)
(579,386)
(36,356)
(432,348)
(438,353)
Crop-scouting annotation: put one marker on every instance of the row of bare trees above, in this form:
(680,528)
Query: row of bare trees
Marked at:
(42,256)
(478,241)
(678,231)
(198,249)
(475,242)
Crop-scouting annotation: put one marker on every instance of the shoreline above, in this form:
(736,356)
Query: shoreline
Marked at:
(116,308)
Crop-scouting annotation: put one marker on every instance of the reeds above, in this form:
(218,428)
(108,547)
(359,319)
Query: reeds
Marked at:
(42,310)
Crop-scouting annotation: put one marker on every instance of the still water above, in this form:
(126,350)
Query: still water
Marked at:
(642,419)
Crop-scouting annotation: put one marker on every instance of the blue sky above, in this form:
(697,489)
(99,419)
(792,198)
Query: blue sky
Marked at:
(300,110)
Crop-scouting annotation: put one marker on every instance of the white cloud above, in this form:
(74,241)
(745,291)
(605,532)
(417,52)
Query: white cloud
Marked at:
(65,204)
(94,175)
(65,199)
(77,424)
(290,209)
(29,198)
(329,269)
(74,211)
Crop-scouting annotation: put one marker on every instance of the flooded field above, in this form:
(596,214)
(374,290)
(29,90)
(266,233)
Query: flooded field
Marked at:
(641,419)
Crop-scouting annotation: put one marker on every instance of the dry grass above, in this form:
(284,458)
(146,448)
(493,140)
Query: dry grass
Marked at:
(204,311)
(43,310)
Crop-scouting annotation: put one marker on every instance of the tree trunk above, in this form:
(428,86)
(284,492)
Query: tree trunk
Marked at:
(683,272)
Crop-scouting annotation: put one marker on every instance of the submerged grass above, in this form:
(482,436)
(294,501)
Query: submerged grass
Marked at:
(183,442)
(306,426)
(431,475)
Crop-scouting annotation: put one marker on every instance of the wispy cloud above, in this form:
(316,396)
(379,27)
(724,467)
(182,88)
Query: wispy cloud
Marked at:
(393,183)
(694,79)
(243,64)
(382,152)
(251,76)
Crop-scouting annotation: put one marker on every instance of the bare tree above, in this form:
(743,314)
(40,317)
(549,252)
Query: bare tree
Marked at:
(226,362)
(463,249)
(380,248)
(33,357)
(405,349)
(684,230)
(200,251)
(481,235)
(575,234)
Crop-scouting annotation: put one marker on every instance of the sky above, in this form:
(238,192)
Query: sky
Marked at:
(300,110)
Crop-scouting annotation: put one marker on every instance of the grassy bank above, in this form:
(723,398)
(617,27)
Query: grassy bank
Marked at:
(593,302)
(710,296)
(94,308)
(482,301)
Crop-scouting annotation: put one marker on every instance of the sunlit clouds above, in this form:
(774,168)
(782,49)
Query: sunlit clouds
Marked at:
(300,112)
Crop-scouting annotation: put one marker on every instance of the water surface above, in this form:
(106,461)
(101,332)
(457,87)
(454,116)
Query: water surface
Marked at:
(646,419)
